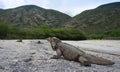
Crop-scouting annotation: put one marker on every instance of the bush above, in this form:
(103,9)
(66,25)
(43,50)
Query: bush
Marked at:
(11,32)
(112,33)
(44,32)
(67,34)
(4,30)
(95,36)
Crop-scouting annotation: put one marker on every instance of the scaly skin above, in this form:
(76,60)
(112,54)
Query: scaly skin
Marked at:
(72,53)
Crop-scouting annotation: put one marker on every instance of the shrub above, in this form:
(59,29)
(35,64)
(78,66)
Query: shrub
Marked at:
(95,36)
(112,33)
(10,32)
(4,30)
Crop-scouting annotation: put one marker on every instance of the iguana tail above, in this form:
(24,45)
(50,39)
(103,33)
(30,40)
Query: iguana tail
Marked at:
(98,60)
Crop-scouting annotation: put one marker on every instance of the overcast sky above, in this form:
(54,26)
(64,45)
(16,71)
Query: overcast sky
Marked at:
(70,7)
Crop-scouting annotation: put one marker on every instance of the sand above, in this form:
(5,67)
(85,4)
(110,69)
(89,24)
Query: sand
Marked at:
(104,46)
(29,56)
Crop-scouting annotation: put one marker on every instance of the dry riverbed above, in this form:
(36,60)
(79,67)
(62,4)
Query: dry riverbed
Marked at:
(29,56)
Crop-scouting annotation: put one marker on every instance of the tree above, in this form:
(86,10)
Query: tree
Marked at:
(4,30)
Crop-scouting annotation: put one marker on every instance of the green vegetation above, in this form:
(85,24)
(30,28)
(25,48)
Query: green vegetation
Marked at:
(102,22)
(103,18)
(113,33)
(32,16)
(95,36)
(10,32)
(4,29)
(110,34)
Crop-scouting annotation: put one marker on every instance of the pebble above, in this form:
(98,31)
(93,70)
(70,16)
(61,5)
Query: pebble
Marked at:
(1,67)
(27,60)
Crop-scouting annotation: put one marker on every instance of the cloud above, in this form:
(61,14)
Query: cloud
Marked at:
(13,3)
(46,3)
(41,3)
(1,4)
(74,10)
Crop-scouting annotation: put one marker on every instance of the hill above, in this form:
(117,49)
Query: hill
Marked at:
(103,18)
(32,16)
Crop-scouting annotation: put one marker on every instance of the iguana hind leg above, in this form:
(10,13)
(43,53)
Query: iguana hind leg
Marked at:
(84,61)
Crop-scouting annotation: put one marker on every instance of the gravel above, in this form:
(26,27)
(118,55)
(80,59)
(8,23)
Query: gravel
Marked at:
(30,56)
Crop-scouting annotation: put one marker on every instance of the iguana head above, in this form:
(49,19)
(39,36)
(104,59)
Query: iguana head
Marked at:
(53,41)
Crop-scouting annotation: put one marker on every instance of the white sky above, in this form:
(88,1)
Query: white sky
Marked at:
(70,7)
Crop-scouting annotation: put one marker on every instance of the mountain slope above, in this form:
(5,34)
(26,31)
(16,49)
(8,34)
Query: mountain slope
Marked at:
(98,20)
(32,16)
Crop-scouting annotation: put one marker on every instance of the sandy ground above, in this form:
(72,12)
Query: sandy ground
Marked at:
(103,46)
(29,56)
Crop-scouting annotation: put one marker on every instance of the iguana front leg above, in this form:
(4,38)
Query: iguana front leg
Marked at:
(59,54)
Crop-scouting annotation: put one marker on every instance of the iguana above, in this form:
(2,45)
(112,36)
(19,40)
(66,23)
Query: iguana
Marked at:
(73,53)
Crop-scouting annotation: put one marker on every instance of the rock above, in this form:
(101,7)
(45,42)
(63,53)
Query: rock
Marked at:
(1,67)
(27,60)
(15,70)
(20,40)
(1,48)
(33,53)
(15,60)
(22,70)
(39,42)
